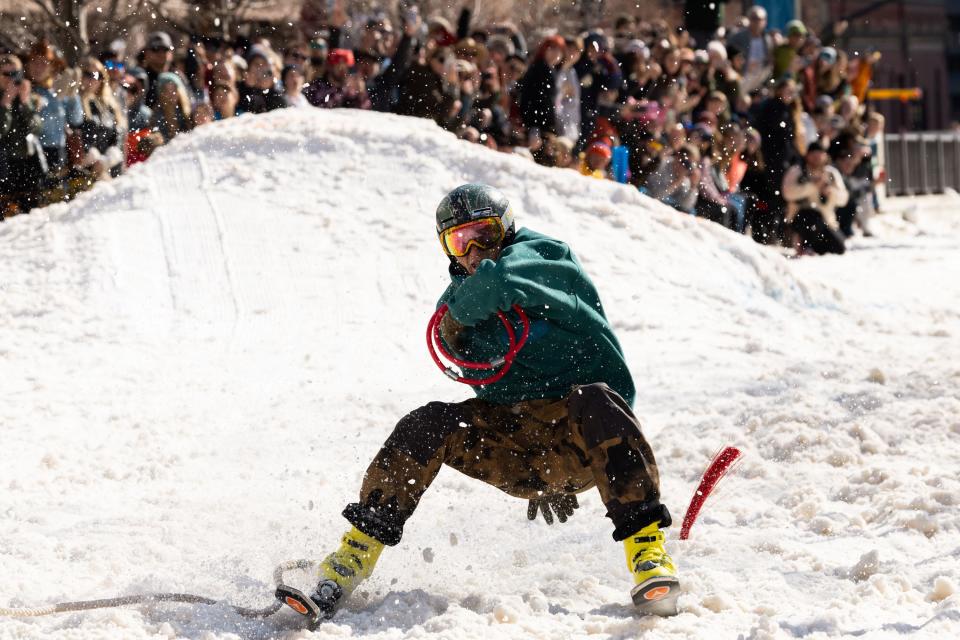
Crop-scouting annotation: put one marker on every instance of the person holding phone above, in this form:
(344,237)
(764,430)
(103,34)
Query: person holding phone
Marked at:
(814,189)
(21,174)
(427,88)
(340,86)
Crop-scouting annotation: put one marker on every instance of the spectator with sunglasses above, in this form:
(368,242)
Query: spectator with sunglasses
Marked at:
(20,125)
(138,113)
(297,55)
(157,59)
(116,70)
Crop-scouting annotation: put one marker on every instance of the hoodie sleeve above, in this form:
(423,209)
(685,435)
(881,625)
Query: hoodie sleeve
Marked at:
(537,276)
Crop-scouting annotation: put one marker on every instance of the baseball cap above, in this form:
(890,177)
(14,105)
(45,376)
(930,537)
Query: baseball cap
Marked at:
(796,28)
(159,40)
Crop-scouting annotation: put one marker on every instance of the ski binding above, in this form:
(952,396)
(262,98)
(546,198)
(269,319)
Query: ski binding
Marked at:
(316,608)
(657,596)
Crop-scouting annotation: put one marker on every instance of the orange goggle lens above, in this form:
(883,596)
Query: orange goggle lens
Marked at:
(485,233)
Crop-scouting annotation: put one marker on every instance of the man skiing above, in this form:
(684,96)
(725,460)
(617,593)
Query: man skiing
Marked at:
(557,424)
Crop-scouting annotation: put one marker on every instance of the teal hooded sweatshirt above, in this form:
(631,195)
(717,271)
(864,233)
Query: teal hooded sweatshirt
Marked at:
(571,342)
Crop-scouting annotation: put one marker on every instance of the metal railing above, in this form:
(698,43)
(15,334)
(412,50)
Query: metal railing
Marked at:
(922,163)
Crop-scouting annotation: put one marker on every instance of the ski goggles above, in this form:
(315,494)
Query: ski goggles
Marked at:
(484,233)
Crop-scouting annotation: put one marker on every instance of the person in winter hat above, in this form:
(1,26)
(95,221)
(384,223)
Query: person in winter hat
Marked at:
(595,160)
(157,58)
(557,424)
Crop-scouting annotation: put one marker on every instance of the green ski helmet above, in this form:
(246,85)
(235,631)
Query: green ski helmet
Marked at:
(471,202)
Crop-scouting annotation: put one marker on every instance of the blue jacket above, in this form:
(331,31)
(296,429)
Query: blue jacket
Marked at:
(56,113)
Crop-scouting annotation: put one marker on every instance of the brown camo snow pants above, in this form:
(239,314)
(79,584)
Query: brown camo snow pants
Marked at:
(528,450)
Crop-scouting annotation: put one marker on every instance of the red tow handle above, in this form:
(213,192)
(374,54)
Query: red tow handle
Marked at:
(503,363)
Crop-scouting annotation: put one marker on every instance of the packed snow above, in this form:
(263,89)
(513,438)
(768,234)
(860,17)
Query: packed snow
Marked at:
(198,360)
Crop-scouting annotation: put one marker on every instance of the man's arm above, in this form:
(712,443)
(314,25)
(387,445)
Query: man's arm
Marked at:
(521,276)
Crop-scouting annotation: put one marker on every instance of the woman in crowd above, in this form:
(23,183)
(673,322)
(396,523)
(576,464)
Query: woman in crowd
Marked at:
(223,99)
(568,90)
(538,93)
(60,108)
(292,79)
(713,202)
(104,126)
(174,113)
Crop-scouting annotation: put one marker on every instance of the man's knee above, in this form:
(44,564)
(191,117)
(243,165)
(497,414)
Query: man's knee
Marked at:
(601,414)
(587,394)
(421,433)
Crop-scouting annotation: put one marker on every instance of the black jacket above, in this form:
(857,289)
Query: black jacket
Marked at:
(254,100)
(424,95)
(538,98)
(774,121)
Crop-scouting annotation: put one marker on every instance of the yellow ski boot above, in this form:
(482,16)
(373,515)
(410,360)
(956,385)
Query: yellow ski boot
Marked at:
(657,587)
(340,573)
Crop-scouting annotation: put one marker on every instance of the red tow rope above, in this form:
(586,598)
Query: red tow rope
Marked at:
(719,466)
(504,362)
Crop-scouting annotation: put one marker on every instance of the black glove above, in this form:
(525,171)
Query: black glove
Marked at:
(562,504)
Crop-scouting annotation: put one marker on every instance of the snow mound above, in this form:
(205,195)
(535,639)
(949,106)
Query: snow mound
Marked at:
(200,358)
(368,184)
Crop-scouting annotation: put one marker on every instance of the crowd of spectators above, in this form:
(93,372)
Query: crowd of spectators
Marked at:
(764,132)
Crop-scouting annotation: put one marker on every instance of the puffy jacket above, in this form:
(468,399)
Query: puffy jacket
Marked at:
(571,342)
